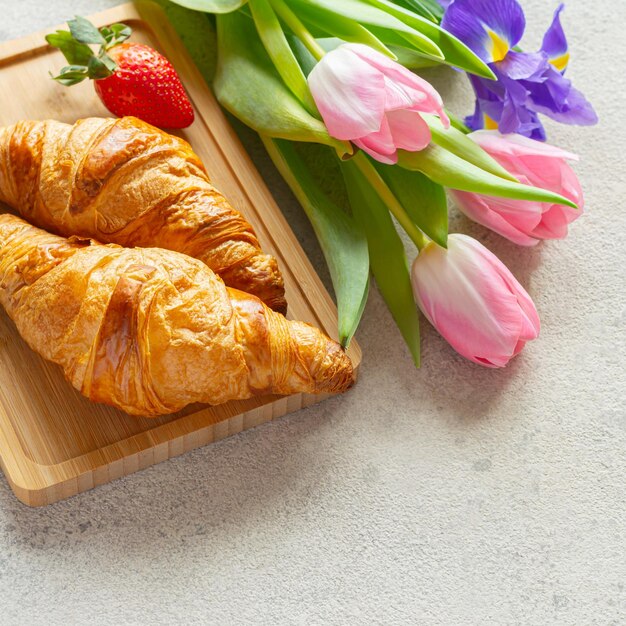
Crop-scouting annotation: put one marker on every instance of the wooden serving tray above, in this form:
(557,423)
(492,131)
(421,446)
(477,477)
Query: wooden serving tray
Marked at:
(53,442)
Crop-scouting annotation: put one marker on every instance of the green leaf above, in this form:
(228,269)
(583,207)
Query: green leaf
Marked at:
(119,33)
(366,14)
(74,52)
(340,236)
(211,6)
(460,144)
(456,53)
(84,31)
(108,62)
(430,9)
(457,122)
(305,59)
(248,85)
(71,75)
(315,17)
(97,69)
(449,170)
(423,200)
(280,52)
(411,59)
(387,256)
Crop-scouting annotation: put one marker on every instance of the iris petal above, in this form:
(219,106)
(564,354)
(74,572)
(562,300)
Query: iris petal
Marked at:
(489,27)
(555,97)
(555,43)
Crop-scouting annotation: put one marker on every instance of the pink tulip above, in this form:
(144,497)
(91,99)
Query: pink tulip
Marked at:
(365,97)
(532,163)
(474,301)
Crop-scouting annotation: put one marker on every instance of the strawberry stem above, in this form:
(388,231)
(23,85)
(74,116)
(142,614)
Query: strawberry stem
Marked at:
(75,47)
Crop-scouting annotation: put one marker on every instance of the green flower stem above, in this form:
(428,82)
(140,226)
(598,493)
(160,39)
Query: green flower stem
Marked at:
(457,122)
(298,28)
(386,195)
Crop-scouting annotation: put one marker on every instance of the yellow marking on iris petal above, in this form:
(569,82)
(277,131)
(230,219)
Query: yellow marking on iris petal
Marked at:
(490,123)
(560,62)
(499,47)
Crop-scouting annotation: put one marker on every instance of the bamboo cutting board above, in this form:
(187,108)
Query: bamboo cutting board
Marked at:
(53,442)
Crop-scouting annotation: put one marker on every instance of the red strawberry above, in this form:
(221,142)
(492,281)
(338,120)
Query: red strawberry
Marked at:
(129,78)
(145,84)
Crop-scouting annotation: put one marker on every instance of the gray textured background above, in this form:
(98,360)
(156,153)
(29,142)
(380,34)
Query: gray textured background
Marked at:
(449,495)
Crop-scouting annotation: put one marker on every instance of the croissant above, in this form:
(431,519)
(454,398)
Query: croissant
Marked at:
(126,182)
(149,330)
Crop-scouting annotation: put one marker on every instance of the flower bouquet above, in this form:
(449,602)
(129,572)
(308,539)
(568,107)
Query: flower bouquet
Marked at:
(335,80)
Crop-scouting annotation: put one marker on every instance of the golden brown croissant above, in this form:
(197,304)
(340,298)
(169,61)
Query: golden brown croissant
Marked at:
(150,330)
(123,181)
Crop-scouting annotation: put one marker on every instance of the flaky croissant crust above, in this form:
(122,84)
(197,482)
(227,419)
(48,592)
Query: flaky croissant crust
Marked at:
(150,330)
(126,182)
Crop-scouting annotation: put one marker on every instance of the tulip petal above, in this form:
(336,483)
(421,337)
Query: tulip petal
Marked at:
(380,144)
(473,300)
(349,93)
(514,225)
(396,96)
(554,222)
(424,96)
(515,145)
(531,323)
(409,130)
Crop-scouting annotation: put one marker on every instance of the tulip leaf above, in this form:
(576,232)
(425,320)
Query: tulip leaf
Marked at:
(423,200)
(211,6)
(277,47)
(364,13)
(460,144)
(450,170)
(387,256)
(411,59)
(248,85)
(430,9)
(456,53)
(340,236)
(341,27)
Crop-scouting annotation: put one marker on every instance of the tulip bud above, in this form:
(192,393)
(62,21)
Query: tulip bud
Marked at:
(365,97)
(474,301)
(533,163)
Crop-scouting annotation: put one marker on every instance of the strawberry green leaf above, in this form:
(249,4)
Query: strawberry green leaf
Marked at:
(108,62)
(71,75)
(74,52)
(121,32)
(84,31)
(97,69)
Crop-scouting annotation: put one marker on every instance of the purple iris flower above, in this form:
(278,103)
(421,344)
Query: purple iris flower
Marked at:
(527,83)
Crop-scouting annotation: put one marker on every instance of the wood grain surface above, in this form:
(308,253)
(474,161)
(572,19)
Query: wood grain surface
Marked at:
(53,442)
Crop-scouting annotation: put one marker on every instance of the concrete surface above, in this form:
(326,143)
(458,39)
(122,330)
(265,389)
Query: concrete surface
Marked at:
(450,495)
